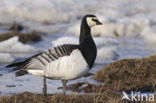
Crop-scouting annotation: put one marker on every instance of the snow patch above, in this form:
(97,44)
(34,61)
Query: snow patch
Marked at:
(106,53)
(12,45)
(6,58)
(148,35)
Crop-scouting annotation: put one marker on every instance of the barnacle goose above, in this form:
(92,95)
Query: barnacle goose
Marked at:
(64,62)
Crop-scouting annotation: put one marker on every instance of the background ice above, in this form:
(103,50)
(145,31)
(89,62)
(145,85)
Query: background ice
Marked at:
(6,58)
(14,46)
(120,17)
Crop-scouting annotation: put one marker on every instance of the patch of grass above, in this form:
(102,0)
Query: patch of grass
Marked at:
(105,97)
(59,98)
(129,74)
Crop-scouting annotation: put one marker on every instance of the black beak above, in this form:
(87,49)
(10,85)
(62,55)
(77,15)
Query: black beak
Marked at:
(98,23)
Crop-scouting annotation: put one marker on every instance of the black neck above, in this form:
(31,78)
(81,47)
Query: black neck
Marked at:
(87,45)
(85,32)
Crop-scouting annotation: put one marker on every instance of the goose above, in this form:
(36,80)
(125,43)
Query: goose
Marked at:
(64,62)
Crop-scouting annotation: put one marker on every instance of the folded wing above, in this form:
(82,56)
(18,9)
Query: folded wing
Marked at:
(39,61)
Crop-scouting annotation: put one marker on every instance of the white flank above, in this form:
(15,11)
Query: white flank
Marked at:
(67,67)
(36,72)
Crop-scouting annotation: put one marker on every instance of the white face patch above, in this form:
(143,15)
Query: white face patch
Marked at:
(90,22)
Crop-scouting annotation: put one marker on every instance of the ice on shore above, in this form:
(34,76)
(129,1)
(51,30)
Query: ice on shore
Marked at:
(148,35)
(12,45)
(106,47)
(106,53)
(6,58)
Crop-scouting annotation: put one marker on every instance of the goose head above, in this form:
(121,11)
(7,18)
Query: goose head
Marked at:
(92,20)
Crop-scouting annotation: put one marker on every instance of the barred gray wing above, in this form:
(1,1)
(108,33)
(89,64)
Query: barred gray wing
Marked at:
(40,61)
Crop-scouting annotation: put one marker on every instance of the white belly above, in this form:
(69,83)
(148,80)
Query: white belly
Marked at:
(67,67)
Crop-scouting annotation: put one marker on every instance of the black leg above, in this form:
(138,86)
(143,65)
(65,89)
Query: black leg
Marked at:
(44,92)
(64,82)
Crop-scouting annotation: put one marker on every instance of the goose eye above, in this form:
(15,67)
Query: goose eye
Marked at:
(95,20)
